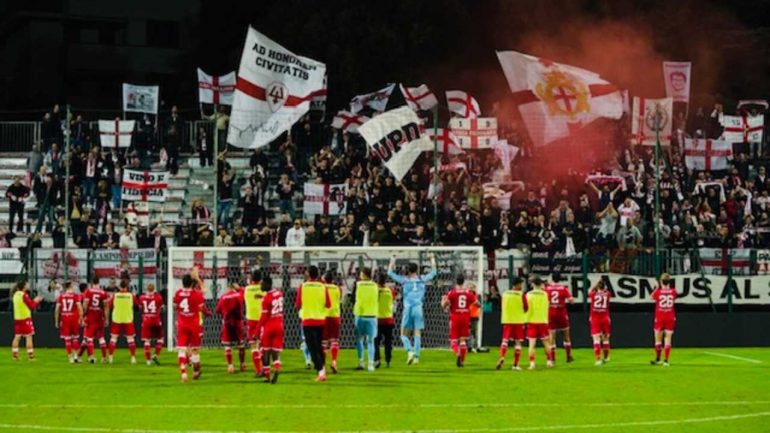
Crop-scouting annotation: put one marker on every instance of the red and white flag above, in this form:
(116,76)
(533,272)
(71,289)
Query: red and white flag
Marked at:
(324,199)
(318,101)
(643,121)
(348,122)
(742,129)
(555,99)
(144,185)
(463,104)
(419,98)
(475,133)
(273,91)
(707,154)
(138,213)
(447,141)
(377,101)
(677,78)
(216,89)
(116,133)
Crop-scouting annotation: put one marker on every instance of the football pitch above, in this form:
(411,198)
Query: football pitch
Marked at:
(704,390)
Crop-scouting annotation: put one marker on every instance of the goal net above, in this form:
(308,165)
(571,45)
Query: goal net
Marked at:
(219,267)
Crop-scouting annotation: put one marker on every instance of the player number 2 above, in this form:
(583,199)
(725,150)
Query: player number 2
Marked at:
(554,297)
(666,301)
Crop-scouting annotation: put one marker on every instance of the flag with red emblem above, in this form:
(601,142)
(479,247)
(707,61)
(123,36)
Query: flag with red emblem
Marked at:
(475,133)
(742,129)
(216,89)
(377,101)
(647,113)
(324,199)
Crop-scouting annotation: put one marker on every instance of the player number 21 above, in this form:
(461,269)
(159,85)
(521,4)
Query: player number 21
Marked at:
(600,302)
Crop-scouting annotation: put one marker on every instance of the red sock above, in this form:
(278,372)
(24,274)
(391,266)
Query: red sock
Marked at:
(183,362)
(132,349)
(147,350)
(229,355)
(103,347)
(68,346)
(606,350)
(666,351)
(455,348)
(256,358)
(532,358)
(241,355)
(658,349)
(335,349)
(277,365)
(549,355)
(553,353)
(158,347)
(112,348)
(516,356)
(463,351)
(90,347)
(76,346)
(503,349)
(81,347)
(568,349)
(597,351)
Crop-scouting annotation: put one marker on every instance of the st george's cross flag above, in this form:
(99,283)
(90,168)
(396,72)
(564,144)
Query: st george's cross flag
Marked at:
(396,138)
(216,89)
(649,114)
(348,122)
(116,133)
(742,129)
(707,154)
(462,103)
(324,199)
(272,92)
(144,185)
(419,98)
(446,140)
(555,99)
(475,133)
(377,101)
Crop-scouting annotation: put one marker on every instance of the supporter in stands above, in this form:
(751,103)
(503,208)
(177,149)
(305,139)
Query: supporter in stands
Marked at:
(173,139)
(225,199)
(128,239)
(17,194)
(223,239)
(205,148)
(295,236)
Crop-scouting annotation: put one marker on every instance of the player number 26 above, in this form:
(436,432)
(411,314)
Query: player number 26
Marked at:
(666,301)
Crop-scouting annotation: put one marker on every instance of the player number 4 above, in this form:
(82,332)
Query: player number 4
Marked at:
(185,305)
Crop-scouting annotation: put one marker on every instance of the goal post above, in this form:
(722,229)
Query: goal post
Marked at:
(221,266)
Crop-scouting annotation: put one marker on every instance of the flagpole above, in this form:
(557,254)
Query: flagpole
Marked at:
(216,169)
(67,160)
(435,175)
(656,222)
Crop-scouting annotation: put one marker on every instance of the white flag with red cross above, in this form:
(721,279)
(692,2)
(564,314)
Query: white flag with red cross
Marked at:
(116,133)
(144,185)
(419,98)
(647,113)
(677,78)
(462,103)
(475,133)
(324,199)
(348,122)
(397,138)
(447,141)
(377,101)
(216,89)
(742,129)
(555,99)
(272,92)
(707,154)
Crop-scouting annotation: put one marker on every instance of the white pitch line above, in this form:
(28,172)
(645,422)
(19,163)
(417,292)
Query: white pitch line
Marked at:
(480,430)
(739,358)
(376,406)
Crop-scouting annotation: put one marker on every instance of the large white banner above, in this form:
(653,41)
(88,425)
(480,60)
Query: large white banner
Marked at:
(377,101)
(140,99)
(273,90)
(215,89)
(144,185)
(475,132)
(10,261)
(114,263)
(707,154)
(50,264)
(116,133)
(677,78)
(324,199)
(643,123)
(395,137)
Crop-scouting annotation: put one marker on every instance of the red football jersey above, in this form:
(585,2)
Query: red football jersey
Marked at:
(272,307)
(189,304)
(67,303)
(151,304)
(664,297)
(95,299)
(600,302)
(460,301)
(558,296)
(230,307)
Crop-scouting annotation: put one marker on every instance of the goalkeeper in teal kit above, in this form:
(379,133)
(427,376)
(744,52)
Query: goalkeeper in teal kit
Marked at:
(412,321)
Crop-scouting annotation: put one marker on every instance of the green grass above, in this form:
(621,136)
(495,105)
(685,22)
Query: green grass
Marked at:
(700,392)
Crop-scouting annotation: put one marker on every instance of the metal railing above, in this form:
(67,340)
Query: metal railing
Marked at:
(18,136)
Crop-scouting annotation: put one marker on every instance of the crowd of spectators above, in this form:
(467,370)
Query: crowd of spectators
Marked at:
(605,210)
